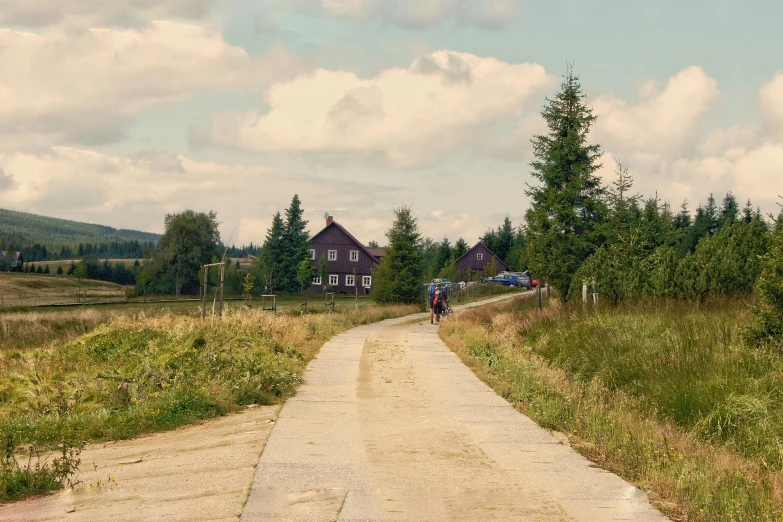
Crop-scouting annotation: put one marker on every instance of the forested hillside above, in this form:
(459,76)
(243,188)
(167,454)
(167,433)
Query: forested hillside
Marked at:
(41,237)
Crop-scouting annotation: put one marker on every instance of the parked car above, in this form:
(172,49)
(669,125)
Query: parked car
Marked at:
(512,279)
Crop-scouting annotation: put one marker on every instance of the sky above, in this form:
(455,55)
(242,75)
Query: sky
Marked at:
(121,112)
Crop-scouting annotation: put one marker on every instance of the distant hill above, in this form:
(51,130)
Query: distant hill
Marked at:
(21,228)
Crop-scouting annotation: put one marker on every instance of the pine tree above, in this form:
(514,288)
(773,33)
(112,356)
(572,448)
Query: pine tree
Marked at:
(444,255)
(399,277)
(567,211)
(683,219)
(490,239)
(505,240)
(767,326)
(623,206)
(711,215)
(295,245)
(460,248)
(747,212)
(271,258)
(729,212)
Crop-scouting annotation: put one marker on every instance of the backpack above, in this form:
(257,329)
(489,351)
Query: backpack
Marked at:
(438,298)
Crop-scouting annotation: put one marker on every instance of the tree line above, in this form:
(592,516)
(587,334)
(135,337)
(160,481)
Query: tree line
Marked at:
(578,230)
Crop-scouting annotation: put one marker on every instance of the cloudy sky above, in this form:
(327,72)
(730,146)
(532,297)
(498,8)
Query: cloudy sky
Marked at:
(120,112)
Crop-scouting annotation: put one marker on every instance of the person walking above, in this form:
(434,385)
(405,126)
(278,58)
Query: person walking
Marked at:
(438,302)
(430,297)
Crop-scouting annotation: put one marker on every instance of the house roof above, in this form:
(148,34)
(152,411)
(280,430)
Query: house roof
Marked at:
(377,252)
(488,250)
(367,251)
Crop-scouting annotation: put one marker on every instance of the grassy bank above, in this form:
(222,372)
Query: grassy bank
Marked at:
(663,393)
(140,374)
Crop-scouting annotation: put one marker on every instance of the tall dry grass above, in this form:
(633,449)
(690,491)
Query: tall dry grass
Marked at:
(140,373)
(663,393)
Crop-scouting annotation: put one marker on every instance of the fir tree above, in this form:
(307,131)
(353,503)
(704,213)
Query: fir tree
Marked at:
(767,326)
(460,248)
(747,212)
(567,211)
(729,212)
(295,245)
(399,277)
(444,255)
(623,206)
(711,215)
(271,258)
(683,219)
(505,240)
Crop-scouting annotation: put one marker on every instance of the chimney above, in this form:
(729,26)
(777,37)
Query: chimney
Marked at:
(329,220)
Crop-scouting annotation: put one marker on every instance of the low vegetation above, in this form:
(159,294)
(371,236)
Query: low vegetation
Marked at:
(139,374)
(666,394)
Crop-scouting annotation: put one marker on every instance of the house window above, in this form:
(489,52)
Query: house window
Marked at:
(332,255)
(312,253)
(355,255)
(366,281)
(350,280)
(316,280)
(334,279)
(479,256)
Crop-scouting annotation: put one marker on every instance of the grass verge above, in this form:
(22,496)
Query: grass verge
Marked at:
(138,374)
(664,394)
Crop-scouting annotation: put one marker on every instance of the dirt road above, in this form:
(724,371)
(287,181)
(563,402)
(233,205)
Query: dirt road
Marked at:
(391,426)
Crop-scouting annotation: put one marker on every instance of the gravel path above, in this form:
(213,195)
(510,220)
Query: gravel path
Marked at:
(391,426)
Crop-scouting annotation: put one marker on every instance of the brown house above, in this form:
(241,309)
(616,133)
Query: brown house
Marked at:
(477,259)
(14,262)
(349,263)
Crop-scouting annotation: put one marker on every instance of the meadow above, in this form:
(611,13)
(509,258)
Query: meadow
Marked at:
(664,393)
(137,373)
(25,290)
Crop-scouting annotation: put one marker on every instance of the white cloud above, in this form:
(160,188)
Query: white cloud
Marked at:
(137,191)
(770,100)
(92,13)
(412,116)
(60,87)
(743,159)
(661,122)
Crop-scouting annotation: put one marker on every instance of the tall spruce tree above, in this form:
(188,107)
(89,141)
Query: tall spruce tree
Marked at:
(623,206)
(399,277)
(444,255)
(460,248)
(683,219)
(567,211)
(271,258)
(505,240)
(747,212)
(295,245)
(730,210)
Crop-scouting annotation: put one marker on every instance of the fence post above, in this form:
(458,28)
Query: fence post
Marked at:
(584,292)
(595,293)
(539,297)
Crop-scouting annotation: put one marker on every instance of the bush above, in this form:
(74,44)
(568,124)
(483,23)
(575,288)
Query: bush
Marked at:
(767,326)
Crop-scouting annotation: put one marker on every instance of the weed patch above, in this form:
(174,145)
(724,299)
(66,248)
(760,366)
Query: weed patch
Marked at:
(140,374)
(665,394)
